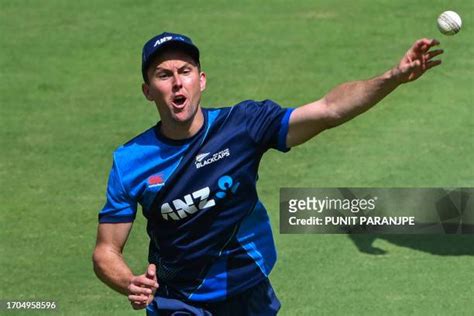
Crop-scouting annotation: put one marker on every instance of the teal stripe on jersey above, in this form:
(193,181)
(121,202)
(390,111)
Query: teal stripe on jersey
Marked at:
(255,236)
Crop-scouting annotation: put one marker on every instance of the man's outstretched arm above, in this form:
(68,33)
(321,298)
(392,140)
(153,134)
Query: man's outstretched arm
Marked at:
(350,99)
(111,268)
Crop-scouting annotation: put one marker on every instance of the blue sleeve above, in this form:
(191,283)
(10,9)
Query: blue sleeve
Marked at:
(267,124)
(119,208)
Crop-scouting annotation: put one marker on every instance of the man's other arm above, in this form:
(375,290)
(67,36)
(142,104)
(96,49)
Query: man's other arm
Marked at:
(350,99)
(111,268)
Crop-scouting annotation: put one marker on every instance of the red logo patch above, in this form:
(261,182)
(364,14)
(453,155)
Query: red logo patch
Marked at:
(155,180)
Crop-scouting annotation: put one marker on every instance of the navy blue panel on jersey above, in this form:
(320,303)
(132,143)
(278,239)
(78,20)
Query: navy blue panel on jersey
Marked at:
(210,237)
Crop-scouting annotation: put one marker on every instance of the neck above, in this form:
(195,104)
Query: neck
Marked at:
(182,130)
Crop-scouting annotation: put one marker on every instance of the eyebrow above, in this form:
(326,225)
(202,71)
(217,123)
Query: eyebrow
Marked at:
(158,68)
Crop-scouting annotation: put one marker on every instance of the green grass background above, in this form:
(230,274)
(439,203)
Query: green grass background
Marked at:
(70,93)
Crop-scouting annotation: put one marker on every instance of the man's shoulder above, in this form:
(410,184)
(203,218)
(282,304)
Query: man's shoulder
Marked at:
(242,107)
(246,103)
(136,145)
(255,103)
(222,114)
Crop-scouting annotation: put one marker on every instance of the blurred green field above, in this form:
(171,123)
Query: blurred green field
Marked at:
(70,93)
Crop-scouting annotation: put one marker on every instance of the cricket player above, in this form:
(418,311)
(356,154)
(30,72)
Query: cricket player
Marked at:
(194,174)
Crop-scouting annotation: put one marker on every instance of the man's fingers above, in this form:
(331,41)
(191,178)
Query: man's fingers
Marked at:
(142,280)
(434,53)
(420,44)
(138,305)
(139,301)
(138,298)
(434,42)
(134,289)
(151,271)
(429,42)
(424,44)
(433,63)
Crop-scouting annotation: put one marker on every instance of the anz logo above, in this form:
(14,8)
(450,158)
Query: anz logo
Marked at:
(183,207)
(227,185)
(162,40)
(198,200)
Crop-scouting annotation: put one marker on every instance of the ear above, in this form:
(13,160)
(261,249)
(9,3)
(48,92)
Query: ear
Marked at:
(146,91)
(202,80)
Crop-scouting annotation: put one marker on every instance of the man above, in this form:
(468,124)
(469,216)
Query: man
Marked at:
(194,174)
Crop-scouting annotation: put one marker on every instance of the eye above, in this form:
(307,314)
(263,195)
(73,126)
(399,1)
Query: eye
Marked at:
(186,71)
(162,75)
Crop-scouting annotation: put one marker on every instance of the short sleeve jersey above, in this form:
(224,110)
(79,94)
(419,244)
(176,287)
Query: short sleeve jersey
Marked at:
(210,236)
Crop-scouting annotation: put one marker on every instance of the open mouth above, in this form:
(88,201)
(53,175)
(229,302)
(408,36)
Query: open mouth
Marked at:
(179,101)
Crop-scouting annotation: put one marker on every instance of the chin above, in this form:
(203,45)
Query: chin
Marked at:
(185,116)
(182,118)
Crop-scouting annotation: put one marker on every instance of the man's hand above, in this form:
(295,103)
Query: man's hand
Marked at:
(142,288)
(417,60)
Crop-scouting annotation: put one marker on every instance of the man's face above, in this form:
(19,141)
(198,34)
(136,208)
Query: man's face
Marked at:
(175,85)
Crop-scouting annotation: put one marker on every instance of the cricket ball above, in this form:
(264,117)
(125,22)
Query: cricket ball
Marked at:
(449,23)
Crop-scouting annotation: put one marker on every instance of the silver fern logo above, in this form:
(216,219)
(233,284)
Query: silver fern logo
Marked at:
(203,160)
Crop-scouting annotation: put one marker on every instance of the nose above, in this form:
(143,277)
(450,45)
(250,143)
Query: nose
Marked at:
(177,84)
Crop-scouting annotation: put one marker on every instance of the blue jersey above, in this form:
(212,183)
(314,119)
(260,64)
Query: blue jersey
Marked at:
(210,236)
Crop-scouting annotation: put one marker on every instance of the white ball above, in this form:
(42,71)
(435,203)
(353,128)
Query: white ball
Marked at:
(449,23)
